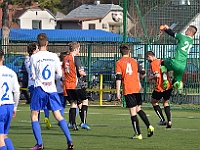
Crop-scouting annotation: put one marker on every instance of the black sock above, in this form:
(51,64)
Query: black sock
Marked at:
(80,114)
(168,113)
(135,124)
(84,113)
(70,121)
(158,111)
(144,118)
(73,116)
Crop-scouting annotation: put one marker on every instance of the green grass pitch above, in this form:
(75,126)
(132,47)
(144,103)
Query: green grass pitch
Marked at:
(111,129)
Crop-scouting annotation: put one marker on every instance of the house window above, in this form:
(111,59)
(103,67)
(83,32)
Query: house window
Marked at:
(36,24)
(105,25)
(91,26)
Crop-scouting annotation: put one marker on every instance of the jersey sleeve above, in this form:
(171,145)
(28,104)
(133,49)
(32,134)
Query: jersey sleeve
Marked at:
(118,68)
(178,36)
(27,65)
(78,64)
(58,68)
(16,91)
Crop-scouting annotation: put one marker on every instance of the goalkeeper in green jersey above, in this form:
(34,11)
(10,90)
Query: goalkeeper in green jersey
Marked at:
(178,63)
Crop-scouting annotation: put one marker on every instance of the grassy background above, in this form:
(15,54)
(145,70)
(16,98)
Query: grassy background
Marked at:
(111,129)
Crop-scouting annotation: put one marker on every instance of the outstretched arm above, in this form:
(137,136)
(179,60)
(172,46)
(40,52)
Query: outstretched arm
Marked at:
(170,32)
(167,30)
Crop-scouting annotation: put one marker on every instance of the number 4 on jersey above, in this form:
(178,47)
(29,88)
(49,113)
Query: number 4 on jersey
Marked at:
(129,69)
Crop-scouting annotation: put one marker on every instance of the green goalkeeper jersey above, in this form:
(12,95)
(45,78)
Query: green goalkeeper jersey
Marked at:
(183,47)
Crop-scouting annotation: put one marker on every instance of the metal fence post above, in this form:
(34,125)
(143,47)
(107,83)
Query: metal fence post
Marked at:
(100,89)
(89,63)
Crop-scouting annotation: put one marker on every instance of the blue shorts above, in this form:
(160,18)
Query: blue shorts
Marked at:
(6,112)
(41,100)
(31,88)
(63,99)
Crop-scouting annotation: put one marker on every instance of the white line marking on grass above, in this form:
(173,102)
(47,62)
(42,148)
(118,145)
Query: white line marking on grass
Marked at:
(94,113)
(27,121)
(182,129)
(111,125)
(192,117)
(122,114)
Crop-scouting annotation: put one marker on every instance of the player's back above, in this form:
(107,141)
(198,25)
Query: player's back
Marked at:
(128,67)
(44,65)
(69,69)
(9,84)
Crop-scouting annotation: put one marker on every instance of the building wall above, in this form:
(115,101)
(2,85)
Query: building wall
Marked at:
(47,20)
(67,25)
(108,24)
(104,23)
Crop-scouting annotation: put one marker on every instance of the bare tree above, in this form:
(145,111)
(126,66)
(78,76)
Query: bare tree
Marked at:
(5,28)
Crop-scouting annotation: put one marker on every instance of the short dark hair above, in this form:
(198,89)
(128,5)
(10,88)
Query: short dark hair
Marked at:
(150,53)
(42,39)
(1,54)
(194,29)
(124,49)
(63,54)
(31,48)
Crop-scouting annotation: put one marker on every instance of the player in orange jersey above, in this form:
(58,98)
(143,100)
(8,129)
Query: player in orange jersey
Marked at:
(127,73)
(159,91)
(74,84)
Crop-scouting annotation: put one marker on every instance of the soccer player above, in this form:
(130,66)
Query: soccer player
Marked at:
(25,80)
(178,63)
(127,73)
(9,95)
(73,74)
(44,65)
(159,92)
(32,48)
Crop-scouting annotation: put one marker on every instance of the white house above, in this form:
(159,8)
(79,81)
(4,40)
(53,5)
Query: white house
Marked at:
(37,18)
(95,16)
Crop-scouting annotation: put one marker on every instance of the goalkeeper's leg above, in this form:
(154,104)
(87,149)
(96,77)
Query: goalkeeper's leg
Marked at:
(164,72)
(177,83)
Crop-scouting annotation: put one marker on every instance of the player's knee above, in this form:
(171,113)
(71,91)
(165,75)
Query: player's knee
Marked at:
(34,115)
(58,115)
(154,102)
(85,102)
(165,103)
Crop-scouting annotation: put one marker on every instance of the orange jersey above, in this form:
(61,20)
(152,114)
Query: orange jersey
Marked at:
(128,68)
(69,70)
(155,67)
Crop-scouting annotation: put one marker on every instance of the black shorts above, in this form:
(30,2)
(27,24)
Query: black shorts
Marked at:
(76,95)
(158,95)
(133,100)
